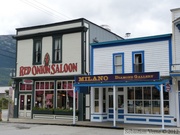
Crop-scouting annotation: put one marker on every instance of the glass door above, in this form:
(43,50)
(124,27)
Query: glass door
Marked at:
(119,104)
(25,105)
(120,107)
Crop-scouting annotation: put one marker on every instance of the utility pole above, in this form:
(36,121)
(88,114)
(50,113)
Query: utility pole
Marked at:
(8,108)
(12,74)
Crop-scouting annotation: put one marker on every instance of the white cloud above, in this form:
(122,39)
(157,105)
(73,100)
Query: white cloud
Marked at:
(140,18)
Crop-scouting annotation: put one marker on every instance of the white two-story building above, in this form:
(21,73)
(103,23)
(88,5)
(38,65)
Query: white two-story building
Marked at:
(136,80)
(48,58)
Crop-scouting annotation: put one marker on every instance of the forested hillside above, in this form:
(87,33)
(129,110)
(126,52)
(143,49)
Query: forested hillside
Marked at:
(7,58)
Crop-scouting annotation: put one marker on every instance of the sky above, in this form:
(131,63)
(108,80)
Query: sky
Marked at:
(139,17)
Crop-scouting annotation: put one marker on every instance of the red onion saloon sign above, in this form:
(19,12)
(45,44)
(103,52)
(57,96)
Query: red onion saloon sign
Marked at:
(50,69)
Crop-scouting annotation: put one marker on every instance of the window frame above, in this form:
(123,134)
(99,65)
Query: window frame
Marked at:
(65,86)
(114,64)
(145,109)
(34,51)
(133,61)
(43,87)
(53,49)
(96,100)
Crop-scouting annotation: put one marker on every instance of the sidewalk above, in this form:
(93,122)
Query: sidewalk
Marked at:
(108,124)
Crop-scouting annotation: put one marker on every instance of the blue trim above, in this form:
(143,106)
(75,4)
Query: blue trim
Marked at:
(157,87)
(111,111)
(148,116)
(91,61)
(120,116)
(142,54)
(77,89)
(132,41)
(120,111)
(111,116)
(118,54)
(158,120)
(104,118)
(96,118)
(175,74)
(121,84)
(170,54)
(100,114)
(135,119)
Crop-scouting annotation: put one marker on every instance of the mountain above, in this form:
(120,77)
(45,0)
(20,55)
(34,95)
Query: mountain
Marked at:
(7,58)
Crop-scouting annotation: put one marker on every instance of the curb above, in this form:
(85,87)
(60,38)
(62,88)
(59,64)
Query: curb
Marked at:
(73,125)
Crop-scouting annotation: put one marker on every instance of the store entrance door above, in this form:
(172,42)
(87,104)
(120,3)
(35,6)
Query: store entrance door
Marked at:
(120,107)
(119,104)
(25,105)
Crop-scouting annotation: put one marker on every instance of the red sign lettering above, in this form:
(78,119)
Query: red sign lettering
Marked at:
(50,69)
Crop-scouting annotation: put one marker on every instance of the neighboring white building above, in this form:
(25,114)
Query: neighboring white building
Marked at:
(136,80)
(3,93)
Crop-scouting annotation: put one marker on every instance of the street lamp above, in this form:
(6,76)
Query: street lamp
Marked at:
(13,85)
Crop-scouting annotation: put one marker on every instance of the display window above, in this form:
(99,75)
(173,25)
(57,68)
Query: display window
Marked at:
(25,87)
(146,100)
(65,94)
(44,94)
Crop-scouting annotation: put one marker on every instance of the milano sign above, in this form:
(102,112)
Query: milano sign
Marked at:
(148,76)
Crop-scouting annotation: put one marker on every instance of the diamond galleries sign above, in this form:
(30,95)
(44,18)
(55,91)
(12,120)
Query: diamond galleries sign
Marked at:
(149,76)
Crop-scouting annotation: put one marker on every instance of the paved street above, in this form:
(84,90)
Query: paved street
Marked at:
(53,127)
(36,129)
(33,129)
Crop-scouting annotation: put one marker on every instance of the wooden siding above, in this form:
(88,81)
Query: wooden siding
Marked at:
(71,47)
(156,57)
(50,28)
(177,45)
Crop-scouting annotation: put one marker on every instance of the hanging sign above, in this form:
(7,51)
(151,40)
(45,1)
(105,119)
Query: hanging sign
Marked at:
(27,81)
(168,87)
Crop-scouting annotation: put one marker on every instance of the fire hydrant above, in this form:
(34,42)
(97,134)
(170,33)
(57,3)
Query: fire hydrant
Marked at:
(0,114)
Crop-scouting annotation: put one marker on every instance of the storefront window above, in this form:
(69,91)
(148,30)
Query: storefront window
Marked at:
(96,100)
(25,87)
(130,106)
(146,100)
(110,101)
(104,100)
(65,95)
(131,93)
(44,94)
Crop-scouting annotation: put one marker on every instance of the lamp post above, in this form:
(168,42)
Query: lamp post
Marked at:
(13,85)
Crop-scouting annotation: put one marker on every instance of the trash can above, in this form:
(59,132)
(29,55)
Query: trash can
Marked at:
(0,114)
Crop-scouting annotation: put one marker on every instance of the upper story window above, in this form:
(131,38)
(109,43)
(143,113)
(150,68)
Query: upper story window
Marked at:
(138,61)
(57,49)
(37,55)
(118,63)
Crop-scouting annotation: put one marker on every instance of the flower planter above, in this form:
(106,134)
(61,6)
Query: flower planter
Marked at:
(62,112)
(42,111)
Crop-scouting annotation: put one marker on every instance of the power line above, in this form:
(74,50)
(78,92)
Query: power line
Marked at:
(53,10)
(42,9)
(37,7)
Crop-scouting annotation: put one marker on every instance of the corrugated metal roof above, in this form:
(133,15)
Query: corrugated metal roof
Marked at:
(3,89)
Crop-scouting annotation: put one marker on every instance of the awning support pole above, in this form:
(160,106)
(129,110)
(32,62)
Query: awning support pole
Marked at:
(162,105)
(74,106)
(114,105)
